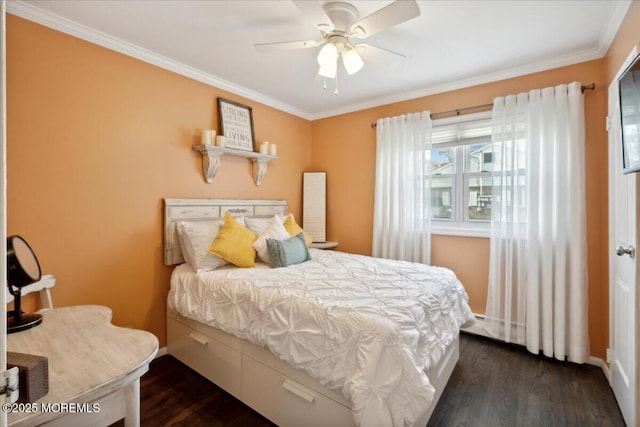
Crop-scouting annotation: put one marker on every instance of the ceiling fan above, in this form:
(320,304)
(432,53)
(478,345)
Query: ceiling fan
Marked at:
(338,23)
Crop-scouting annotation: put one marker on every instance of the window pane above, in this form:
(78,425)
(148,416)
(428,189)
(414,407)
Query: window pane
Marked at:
(442,161)
(462,160)
(479,198)
(441,197)
(480,158)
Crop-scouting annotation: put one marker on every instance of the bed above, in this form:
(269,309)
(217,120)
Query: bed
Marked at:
(338,340)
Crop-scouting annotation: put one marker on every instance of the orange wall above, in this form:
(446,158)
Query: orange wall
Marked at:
(344,146)
(96,140)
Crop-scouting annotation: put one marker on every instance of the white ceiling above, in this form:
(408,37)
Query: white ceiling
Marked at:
(452,44)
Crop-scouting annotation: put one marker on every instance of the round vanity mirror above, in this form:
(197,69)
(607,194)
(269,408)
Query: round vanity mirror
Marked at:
(23,269)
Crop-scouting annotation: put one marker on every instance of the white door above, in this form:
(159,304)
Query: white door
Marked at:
(622,269)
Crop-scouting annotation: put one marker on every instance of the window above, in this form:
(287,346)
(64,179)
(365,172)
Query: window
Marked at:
(461,164)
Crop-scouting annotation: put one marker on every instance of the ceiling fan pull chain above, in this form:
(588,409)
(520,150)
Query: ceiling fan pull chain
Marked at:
(324,86)
(335,92)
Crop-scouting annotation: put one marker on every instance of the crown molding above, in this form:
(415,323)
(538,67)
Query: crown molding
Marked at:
(67,26)
(490,77)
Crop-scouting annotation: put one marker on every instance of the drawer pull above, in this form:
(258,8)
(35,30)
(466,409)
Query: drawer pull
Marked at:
(198,338)
(298,391)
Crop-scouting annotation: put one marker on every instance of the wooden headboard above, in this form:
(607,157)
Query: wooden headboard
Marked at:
(207,210)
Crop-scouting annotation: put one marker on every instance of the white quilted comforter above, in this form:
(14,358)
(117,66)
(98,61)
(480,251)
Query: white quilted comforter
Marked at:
(364,326)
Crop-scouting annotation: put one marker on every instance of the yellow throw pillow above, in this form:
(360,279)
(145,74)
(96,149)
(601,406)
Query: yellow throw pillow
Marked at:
(233,243)
(293,228)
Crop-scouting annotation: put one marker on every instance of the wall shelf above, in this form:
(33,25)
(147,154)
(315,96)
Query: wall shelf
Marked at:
(211,155)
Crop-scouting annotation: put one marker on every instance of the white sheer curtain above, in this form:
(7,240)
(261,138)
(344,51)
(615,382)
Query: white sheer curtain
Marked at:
(538,273)
(401,217)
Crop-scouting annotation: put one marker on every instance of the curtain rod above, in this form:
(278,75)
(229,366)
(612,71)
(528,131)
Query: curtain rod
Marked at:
(592,86)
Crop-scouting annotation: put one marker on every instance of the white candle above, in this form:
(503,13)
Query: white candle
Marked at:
(264,148)
(205,137)
(273,149)
(220,141)
(208,136)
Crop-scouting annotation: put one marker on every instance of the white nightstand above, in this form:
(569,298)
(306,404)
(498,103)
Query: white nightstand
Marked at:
(323,245)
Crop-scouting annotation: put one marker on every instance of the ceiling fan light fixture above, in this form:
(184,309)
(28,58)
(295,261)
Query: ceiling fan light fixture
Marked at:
(328,55)
(339,21)
(352,61)
(329,70)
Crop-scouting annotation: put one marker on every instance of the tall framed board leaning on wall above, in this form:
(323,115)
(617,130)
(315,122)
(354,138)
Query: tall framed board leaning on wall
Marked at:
(314,205)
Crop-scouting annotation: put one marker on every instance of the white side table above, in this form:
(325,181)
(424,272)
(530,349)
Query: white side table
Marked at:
(323,245)
(90,361)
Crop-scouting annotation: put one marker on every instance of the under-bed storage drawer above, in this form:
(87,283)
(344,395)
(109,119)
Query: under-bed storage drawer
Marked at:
(287,402)
(217,362)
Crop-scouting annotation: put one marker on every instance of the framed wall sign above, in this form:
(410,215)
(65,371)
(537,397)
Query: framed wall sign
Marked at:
(236,124)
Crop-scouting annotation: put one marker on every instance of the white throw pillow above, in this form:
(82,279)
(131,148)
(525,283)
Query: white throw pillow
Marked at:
(259,224)
(275,230)
(195,238)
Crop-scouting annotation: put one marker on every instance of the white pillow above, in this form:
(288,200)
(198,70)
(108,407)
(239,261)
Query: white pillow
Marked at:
(195,238)
(275,230)
(259,224)
(239,219)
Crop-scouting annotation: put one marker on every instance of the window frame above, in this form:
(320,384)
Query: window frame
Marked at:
(459,224)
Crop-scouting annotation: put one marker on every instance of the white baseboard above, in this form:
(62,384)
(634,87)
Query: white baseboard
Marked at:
(601,363)
(478,327)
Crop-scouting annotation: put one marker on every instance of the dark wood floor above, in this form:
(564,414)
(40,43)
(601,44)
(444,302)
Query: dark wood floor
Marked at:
(493,384)
(171,394)
(497,384)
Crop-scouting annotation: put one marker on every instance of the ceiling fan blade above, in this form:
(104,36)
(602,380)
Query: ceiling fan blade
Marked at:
(396,13)
(315,14)
(301,44)
(377,55)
